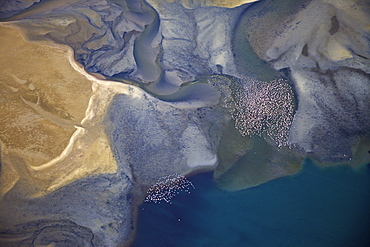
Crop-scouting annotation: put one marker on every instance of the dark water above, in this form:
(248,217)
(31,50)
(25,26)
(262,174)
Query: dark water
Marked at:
(317,207)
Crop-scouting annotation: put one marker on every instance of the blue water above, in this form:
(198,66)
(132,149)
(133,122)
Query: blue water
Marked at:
(317,207)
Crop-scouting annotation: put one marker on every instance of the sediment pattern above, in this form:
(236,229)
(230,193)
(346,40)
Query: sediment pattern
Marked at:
(101,98)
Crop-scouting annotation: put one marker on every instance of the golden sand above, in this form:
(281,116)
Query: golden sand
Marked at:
(216,3)
(51,116)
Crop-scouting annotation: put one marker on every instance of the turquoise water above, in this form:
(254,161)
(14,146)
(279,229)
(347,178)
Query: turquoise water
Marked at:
(317,207)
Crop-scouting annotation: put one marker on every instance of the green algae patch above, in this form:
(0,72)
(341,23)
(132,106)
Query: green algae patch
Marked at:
(261,163)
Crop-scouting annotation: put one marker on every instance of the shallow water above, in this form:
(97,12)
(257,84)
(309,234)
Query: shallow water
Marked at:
(76,149)
(317,207)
